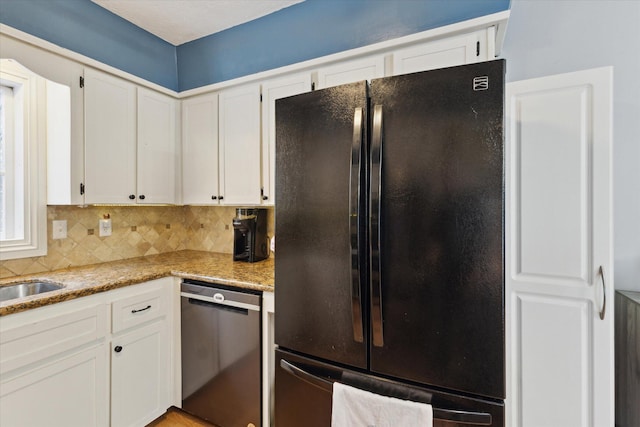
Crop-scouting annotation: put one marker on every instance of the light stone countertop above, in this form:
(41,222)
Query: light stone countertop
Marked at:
(91,279)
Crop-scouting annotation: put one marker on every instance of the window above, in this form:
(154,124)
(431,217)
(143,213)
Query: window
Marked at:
(11,169)
(22,196)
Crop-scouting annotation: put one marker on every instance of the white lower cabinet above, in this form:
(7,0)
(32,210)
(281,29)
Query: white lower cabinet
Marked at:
(68,390)
(140,354)
(64,365)
(139,375)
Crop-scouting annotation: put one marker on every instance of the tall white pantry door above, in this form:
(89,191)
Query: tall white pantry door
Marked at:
(559,253)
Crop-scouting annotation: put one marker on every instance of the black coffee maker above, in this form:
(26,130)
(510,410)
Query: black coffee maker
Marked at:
(250,241)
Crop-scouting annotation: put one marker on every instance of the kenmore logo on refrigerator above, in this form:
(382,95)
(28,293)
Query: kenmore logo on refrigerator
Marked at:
(481,83)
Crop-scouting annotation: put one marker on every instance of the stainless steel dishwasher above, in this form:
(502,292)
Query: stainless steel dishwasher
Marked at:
(221,357)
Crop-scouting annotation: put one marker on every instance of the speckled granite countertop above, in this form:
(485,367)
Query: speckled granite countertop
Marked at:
(95,278)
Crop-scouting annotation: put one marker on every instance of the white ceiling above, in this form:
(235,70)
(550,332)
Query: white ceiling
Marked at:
(180,21)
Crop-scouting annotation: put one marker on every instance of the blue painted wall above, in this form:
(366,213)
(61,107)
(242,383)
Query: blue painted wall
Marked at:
(312,29)
(86,28)
(304,31)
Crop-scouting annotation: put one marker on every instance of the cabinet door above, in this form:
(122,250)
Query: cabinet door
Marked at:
(140,375)
(240,145)
(464,49)
(156,148)
(110,138)
(68,391)
(271,91)
(65,145)
(200,150)
(559,277)
(355,70)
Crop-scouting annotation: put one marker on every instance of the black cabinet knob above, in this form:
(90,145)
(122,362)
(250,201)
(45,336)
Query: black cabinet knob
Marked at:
(132,196)
(142,197)
(221,197)
(214,197)
(118,349)
(265,197)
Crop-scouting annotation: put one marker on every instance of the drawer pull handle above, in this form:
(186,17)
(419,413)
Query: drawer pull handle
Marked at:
(142,309)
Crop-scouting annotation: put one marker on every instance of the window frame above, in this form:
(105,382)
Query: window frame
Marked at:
(30,102)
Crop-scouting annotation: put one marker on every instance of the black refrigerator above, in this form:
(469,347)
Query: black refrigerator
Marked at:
(389,270)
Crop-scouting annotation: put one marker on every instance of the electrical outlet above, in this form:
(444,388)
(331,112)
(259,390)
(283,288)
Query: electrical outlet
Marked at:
(105,227)
(60,229)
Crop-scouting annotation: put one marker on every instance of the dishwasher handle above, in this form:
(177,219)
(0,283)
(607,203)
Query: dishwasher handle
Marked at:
(236,310)
(219,300)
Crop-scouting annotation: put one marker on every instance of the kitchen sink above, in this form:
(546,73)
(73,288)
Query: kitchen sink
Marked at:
(25,289)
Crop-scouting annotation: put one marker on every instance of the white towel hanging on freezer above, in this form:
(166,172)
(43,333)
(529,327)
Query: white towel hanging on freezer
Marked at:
(353,407)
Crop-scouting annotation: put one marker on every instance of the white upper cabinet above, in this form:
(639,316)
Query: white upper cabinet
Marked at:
(65,141)
(200,150)
(350,71)
(451,51)
(240,174)
(156,166)
(110,138)
(130,142)
(271,91)
(559,275)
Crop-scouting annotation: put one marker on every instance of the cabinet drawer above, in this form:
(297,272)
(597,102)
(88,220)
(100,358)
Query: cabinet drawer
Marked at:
(36,341)
(137,309)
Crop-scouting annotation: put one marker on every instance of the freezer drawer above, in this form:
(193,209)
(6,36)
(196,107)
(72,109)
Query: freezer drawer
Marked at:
(303,395)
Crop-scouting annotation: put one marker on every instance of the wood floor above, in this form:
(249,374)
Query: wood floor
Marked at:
(174,417)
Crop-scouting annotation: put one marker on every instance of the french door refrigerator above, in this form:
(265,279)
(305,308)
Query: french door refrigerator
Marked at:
(389,269)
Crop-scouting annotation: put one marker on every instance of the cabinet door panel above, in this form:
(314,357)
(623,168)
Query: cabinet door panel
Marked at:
(559,251)
(200,150)
(139,376)
(449,52)
(355,70)
(272,90)
(240,145)
(156,148)
(34,341)
(110,138)
(70,391)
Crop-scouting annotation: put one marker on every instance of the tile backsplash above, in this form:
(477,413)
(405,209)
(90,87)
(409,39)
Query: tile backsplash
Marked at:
(137,231)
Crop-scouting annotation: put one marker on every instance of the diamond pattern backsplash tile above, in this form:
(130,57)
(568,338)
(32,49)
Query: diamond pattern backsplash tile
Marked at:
(136,231)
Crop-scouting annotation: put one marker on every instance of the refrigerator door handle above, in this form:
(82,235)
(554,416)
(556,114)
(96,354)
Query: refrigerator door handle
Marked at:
(354,215)
(450,415)
(374,232)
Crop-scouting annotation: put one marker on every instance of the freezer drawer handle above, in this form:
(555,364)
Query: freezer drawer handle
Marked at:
(449,415)
(354,226)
